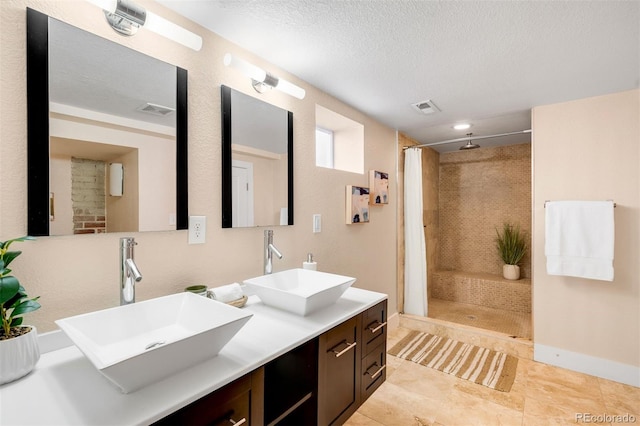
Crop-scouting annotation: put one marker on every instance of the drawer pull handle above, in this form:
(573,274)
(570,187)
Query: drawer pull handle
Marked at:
(374,375)
(373,328)
(239,422)
(345,350)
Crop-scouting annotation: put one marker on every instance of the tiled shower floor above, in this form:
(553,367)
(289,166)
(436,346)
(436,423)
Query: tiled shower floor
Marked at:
(507,322)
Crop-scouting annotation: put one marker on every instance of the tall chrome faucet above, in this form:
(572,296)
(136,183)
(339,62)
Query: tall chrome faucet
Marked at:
(269,250)
(129,272)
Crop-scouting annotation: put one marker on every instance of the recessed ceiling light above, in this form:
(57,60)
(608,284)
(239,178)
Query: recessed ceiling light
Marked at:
(462,126)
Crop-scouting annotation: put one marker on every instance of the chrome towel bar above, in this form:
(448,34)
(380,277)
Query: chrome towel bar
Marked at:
(546,201)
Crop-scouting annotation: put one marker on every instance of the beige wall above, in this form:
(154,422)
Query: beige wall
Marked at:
(75,274)
(589,150)
(481,189)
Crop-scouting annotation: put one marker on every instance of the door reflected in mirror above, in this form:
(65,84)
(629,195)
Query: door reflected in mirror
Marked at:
(94,105)
(257,162)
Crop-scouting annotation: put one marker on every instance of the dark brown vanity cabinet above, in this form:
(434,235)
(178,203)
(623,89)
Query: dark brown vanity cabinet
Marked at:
(321,382)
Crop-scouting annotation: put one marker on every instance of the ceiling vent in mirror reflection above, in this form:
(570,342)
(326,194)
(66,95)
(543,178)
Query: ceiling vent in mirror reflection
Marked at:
(155,109)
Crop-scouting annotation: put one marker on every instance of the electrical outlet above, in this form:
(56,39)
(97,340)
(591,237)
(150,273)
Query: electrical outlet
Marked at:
(197,229)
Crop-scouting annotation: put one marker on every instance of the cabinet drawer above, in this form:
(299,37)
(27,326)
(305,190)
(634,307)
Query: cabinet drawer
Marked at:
(374,371)
(374,328)
(233,412)
(227,406)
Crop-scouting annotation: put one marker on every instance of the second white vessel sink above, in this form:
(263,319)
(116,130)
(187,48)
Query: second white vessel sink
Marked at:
(300,291)
(141,343)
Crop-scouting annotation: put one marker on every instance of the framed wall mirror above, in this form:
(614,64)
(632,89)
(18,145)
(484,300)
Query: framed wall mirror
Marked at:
(257,162)
(107,135)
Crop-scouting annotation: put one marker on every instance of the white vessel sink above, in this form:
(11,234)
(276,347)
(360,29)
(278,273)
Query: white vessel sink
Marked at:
(300,291)
(141,343)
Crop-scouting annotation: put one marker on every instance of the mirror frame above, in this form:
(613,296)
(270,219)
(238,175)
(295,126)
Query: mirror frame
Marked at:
(38,131)
(227,207)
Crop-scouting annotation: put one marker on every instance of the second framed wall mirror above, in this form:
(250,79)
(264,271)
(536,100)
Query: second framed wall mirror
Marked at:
(257,162)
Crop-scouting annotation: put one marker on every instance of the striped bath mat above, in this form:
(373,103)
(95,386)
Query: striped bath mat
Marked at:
(479,365)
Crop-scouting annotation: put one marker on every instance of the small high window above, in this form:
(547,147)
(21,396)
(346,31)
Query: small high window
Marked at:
(324,148)
(339,141)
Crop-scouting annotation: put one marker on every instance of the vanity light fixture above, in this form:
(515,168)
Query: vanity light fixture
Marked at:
(126,17)
(262,80)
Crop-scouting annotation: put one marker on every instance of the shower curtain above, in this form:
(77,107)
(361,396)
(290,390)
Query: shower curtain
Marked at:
(415,261)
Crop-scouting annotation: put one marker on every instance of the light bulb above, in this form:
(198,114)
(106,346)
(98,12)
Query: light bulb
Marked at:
(250,70)
(172,31)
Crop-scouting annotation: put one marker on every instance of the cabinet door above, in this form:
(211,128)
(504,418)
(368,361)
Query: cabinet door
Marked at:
(374,368)
(339,378)
(374,327)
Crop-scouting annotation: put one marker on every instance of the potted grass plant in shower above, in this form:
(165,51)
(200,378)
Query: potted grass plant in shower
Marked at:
(512,246)
(19,351)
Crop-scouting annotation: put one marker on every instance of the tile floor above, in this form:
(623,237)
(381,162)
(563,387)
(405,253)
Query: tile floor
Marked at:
(541,395)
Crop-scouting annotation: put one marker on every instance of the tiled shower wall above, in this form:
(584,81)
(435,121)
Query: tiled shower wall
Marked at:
(481,189)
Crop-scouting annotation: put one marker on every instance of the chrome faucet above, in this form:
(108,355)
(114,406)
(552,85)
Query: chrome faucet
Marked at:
(129,272)
(269,250)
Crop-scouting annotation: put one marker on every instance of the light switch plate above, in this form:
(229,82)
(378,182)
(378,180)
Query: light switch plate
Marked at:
(317,223)
(197,229)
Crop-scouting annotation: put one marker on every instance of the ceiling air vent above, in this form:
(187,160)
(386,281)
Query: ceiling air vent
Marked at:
(425,107)
(155,109)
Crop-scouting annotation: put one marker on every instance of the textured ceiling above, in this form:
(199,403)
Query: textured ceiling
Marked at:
(486,62)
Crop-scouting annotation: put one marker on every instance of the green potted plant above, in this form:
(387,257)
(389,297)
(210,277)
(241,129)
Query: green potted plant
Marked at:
(512,246)
(19,351)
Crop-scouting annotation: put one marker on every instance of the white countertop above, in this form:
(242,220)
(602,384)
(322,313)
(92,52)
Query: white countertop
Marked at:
(66,389)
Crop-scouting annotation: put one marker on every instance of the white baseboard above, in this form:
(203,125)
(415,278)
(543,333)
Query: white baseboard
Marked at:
(599,367)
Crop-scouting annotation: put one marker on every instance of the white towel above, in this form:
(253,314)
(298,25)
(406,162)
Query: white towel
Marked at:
(579,239)
(227,293)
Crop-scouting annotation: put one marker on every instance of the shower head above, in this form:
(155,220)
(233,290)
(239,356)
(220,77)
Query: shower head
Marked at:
(469,145)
